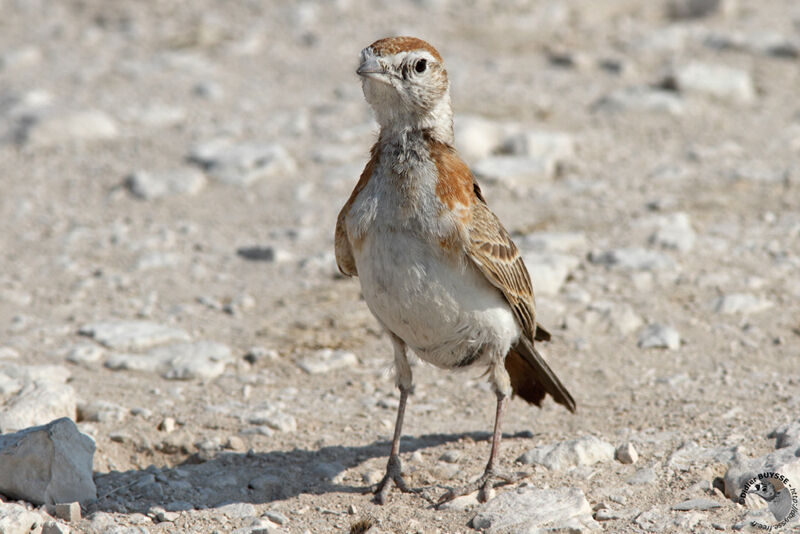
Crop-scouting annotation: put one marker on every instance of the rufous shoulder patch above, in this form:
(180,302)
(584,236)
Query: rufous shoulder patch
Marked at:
(454,183)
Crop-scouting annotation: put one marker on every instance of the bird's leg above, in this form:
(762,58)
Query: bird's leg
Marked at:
(485,484)
(394,476)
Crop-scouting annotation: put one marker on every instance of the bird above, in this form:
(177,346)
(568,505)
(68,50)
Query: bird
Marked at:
(437,269)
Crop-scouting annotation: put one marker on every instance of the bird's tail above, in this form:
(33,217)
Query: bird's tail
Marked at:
(532,378)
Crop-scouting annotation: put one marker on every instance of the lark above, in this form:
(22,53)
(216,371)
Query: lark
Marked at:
(438,270)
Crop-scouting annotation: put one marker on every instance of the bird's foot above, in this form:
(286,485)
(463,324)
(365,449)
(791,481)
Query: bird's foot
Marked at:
(484,486)
(393,477)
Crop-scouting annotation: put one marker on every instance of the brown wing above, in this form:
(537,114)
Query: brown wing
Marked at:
(491,249)
(342,246)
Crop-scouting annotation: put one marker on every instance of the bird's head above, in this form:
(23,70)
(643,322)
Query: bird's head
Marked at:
(405,82)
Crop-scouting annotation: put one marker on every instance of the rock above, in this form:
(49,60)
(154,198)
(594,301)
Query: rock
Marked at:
(242,164)
(264,253)
(20,58)
(715,81)
(660,337)
(787,435)
(155,115)
(692,9)
(549,271)
(132,335)
(691,454)
(612,316)
(274,420)
(514,170)
(34,395)
(641,100)
(451,457)
(58,128)
(634,259)
(48,464)
(696,504)
(626,453)
(327,360)
(167,424)
(70,512)
(553,242)
(528,509)
(674,232)
(554,146)
(740,303)
(54,527)
(237,510)
(280,519)
(8,353)
(644,476)
(101,412)
(180,361)
(84,354)
(328,470)
(587,450)
(16,519)
(476,137)
(654,520)
(266,482)
(149,185)
(742,469)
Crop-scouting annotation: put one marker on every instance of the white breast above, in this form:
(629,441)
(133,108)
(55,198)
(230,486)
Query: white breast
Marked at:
(436,301)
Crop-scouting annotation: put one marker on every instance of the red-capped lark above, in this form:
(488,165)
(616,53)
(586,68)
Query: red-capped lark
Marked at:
(437,269)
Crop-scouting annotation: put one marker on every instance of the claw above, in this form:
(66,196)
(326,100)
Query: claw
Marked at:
(484,486)
(393,477)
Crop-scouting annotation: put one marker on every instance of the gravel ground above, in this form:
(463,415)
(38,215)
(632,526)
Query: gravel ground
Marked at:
(171,174)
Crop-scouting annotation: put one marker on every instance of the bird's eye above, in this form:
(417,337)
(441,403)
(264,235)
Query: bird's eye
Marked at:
(421,65)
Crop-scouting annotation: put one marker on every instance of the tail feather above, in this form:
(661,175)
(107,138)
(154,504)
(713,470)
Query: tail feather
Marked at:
(532,378)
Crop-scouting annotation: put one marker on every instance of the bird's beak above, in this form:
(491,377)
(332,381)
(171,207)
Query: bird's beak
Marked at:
(370,67)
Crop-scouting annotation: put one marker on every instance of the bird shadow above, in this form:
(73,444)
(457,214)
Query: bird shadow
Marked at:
(253,477)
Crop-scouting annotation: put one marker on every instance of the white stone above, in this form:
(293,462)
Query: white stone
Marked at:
(587,450)
(156,116)
(690,9)
(549,271)
(787,435)
(102,412)
(34,395)
(326,360)
(274,420)
(50,129)
(8,353)
(84,353)
(555,146)
(696,504)
(554,242)
(48,464)
(641,100)
(741,303)
(691,454)
(528,509)
(16,519)
(22,57)
(634,259)
(515,170)
(476,137)
(626,453)
(132,335)
(244,163)
(180,361)
(237,510)
(659,336)
(717,81)
(742,469)
(674,232)
(162,183)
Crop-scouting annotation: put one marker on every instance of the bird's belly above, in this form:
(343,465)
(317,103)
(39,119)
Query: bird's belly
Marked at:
(440,305)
